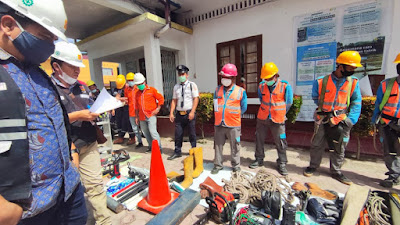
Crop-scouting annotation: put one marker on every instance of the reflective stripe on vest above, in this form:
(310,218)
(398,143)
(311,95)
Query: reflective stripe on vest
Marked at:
(390,108)
(229,109)
(273,103)
(335,100)
(12,123)
(12,136)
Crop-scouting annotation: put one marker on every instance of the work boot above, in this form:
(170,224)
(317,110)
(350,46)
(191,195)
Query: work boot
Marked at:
(389,182)
(188,170)
(131,141)
(197,152)
(174,156)
(148,150)
(119,140)
(236,169)
(216,169)
(282,170)
(309,171)
(256,164)
(139,145)
(341,177)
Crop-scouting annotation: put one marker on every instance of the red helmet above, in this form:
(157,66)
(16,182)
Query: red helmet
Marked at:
(229,70)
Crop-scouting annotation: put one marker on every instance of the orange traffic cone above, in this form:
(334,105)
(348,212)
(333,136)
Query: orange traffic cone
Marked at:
(159,195)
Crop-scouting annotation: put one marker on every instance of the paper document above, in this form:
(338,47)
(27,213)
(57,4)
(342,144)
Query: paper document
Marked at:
(105,102)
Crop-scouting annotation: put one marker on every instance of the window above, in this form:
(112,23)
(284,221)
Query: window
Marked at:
(246,54)
(107,71)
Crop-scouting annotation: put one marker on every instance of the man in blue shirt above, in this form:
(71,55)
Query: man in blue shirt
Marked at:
(230,103)
(338,97)
(33,136)
(387,118)
(276,97)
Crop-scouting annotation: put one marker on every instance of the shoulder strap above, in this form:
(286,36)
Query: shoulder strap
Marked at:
(323,90)
(388,90)
(350,80)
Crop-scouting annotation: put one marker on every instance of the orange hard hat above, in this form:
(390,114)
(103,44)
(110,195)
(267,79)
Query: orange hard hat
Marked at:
(269,70)
(120,81)
(397,60)
(351,58)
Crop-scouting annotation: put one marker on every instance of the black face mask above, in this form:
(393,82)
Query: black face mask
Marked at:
(347,73)
(398,69)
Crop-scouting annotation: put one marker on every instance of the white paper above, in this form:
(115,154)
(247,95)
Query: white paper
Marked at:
(365,86)
(216,105)
(105,102)
(5,146)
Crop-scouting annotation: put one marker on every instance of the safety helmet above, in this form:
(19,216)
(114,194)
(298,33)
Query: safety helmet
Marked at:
(269,70)
(120,81)
(182,69)
(351,58)
(397,60)
(69,53)
(130,76)
(139,78)
(48,13)
(228,70)
(89,83)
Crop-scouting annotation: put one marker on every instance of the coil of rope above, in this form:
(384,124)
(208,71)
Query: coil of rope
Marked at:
(375,208)
(249,187)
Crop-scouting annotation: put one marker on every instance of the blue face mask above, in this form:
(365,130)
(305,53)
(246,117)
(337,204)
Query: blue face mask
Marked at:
(270,83)
(34,50)
(131,83)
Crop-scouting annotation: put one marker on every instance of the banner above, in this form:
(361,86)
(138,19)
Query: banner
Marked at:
(321,36)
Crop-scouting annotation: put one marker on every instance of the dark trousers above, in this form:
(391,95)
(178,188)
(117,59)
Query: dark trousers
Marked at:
(71,212)
(180,123)
(123,123)
(391,149)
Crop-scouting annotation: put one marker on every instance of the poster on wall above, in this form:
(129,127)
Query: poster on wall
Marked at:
(321,36)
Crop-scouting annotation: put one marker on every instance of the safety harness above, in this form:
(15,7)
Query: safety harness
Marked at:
(385,99)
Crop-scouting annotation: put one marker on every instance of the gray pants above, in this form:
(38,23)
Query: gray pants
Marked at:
(149,128)
(391,150)
(136,129)
(220,135)
(337,137)
(279,135)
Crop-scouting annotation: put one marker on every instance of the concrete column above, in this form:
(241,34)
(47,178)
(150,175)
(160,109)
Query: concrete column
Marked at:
(152,55)
(96,72)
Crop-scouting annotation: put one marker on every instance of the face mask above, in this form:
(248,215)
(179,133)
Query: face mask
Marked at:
(141,87)
(94,91)
(226,82)
(270,83)
(32,48)
(182,78)
(131,83)
(398,68)
(347,73)
(69,80)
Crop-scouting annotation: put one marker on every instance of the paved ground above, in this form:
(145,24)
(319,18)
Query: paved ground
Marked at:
(364,172)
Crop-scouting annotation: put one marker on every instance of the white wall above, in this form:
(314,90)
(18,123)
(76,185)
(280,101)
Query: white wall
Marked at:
(274,21)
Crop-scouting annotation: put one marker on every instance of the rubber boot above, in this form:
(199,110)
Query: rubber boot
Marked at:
(188,170)
(198,161)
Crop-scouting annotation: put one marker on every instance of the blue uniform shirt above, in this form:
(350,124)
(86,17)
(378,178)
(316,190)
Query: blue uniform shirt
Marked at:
(355,98)
(51,168)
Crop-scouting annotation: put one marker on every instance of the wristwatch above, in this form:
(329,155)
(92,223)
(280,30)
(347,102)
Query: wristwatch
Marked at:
(75,151)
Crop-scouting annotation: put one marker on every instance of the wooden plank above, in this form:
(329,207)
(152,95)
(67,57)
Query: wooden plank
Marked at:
(177,210)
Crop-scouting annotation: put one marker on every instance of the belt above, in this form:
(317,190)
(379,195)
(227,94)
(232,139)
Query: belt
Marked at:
(332,113)
(182,113)
(395,119)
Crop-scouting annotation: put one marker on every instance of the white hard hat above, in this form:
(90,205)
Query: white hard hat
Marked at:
(69,53)
(139,78)
(48,13)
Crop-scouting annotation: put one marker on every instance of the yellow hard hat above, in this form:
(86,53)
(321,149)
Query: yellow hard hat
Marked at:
(89,83)
(351,58)
(269,70)
(397,60)
(130,76)
(120,81)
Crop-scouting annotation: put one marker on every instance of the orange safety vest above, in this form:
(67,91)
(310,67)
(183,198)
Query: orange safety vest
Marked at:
(390,107)
(273,103)
(229,109)
(335,100)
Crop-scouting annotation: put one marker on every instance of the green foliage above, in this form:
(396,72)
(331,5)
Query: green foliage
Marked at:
(205,110)
(294,109)
(363,127)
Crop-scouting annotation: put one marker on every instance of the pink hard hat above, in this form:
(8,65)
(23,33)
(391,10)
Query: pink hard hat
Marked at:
(228,70)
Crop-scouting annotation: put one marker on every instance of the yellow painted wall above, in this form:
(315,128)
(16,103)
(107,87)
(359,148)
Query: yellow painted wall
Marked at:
(85,72)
